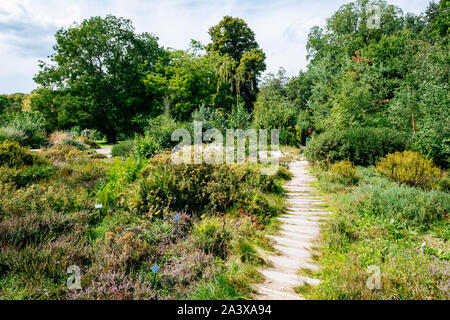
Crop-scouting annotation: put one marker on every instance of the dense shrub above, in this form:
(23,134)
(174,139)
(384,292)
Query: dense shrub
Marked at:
(160,129)
(122,149)
(145,146)
(239,118)
(196,188)
(344,172)
(212,236)
(63,153)
(89,142)
(29,126)
(75,143)
(433,141)
(13,155)
(13,134)
(409,168)
(405,205)
(361,146)
(92,134)
(73,139)
(25,175)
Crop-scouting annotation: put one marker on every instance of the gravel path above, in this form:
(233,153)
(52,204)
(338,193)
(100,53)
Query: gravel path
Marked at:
(300,227)
(106,151)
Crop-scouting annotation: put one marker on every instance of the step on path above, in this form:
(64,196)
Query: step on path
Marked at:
(300,227)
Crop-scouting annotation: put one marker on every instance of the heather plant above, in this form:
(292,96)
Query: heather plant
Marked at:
(212,236)
(344,172)
(197,188)
(398,228)
(13,155)
(409,168)
(75,143)
(115,286)
(63,153)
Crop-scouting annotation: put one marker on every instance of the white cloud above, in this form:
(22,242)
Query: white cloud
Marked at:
(281,27)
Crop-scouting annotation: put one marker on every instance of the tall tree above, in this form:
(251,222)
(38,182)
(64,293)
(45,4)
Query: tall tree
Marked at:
(242,60)
(100,64)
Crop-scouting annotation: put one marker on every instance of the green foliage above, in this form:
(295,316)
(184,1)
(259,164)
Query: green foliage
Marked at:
(281,116)
(25,128)
(144,146)
(14,156)
(361,146)
(202,188)
(64,153)
(25,175)
(409,168)
(110,61)
(121,173)
(122,149)
(183,80)
(400,229)
(75,143)
(13,134)
(3,103)
(211,235)
(344,172)
(241,61)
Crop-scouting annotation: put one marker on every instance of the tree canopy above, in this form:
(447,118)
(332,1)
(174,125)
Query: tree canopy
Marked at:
(94,78)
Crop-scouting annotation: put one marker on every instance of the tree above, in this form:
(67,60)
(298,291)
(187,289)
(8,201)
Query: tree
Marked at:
(95,75)
(185,80)
(3,103)
(242,61)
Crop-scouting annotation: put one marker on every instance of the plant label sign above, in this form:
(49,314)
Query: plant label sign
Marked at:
(98,206)
(155,268)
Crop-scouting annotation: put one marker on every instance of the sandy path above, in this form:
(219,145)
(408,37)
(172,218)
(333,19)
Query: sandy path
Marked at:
(300,227)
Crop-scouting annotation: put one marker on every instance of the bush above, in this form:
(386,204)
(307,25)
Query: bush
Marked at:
(75,143)
(57,137)
(92,134)
(122,149)
(433,141)
(405,205)
(25,175)
(409,168)
(344,172)
(13,155)
(160,130)
(63,153)
(145,146)
(30,125)
(13,134)
(198,188)
(361,146)
(91,143)
(212,236)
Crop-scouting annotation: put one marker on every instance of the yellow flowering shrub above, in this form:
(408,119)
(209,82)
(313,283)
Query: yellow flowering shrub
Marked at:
(409,168)
(344,172)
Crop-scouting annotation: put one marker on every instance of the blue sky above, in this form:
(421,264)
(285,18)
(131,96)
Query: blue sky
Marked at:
(27,27)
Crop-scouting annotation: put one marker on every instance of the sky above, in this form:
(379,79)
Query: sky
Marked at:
(27,27)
